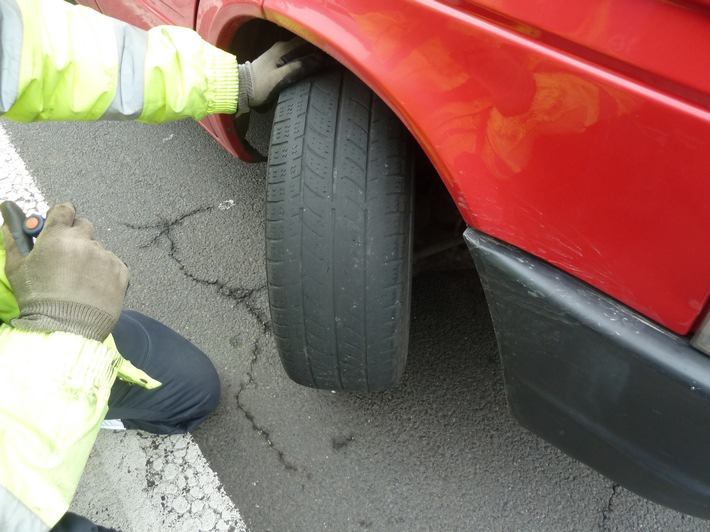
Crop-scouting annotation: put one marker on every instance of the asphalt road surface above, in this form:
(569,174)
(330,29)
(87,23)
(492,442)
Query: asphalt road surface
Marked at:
(439,452)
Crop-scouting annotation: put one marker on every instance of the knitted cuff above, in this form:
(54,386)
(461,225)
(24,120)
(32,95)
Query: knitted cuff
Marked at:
(76,318)
(224,83)
(245,88)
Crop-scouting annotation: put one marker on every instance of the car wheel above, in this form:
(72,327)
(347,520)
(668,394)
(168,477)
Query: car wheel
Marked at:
(339,235)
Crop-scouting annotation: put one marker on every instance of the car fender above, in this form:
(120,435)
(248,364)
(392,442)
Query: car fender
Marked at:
(590,167)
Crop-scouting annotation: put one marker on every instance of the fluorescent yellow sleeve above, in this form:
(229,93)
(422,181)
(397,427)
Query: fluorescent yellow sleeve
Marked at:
(76,64)
(53,398)
(185,76)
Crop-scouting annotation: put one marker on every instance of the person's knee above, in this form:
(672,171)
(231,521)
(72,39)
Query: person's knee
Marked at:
(190,404)
(211,390)
(204,395)
(191,388)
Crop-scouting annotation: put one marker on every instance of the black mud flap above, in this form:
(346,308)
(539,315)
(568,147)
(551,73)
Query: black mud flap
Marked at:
(599,381)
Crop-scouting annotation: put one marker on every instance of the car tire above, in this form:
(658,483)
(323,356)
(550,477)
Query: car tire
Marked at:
(339,220)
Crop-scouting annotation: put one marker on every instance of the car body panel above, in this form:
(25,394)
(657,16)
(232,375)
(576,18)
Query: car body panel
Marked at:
(218,20)
(90,3)
(640,39)
(137,13)
(595,172)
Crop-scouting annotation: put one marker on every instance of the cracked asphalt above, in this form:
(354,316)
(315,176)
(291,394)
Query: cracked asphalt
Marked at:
(439,452)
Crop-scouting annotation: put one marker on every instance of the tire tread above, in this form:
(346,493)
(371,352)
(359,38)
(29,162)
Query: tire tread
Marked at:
(339,173)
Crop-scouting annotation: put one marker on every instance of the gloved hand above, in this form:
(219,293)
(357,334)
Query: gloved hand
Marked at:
(68,282)
(280,66)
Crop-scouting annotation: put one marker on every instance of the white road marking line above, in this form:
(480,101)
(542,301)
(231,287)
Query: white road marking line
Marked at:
(134,481)
(16,183)
(138,482)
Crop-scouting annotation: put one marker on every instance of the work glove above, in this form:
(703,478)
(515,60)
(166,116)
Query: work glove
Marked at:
(68,282)
(283,64)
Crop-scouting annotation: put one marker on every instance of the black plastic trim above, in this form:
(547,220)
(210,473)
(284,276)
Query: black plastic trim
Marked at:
(598,380)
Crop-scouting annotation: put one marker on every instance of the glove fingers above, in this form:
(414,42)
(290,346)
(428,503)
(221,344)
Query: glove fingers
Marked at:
(282,65)
(295,48)
(69,282)
(13,257)
(297,70)
(281,51)
(62,214)
(311,62)
(121,273)
(84,228)
(290,74)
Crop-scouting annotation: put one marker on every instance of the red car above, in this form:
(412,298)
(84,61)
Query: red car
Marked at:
(574,139)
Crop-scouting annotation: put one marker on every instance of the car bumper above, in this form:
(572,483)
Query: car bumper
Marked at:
(598,380)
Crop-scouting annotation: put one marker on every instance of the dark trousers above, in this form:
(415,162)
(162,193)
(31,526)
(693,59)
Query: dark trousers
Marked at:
(190,390)
(189,394)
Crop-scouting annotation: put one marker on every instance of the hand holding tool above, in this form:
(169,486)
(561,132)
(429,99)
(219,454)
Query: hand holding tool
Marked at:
(68,282)
(22,228)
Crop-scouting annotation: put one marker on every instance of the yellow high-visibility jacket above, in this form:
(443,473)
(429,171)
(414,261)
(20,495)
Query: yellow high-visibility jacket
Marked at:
(63,62)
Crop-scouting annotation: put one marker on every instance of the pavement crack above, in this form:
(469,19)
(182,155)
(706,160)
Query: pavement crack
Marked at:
(609,509)
(165,226)
(243,296)
(261,431)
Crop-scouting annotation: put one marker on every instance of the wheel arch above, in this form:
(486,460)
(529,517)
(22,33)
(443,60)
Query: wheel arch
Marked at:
(348,45)
(247,30)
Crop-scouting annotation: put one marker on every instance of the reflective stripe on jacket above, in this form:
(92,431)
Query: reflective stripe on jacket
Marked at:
(65,62)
